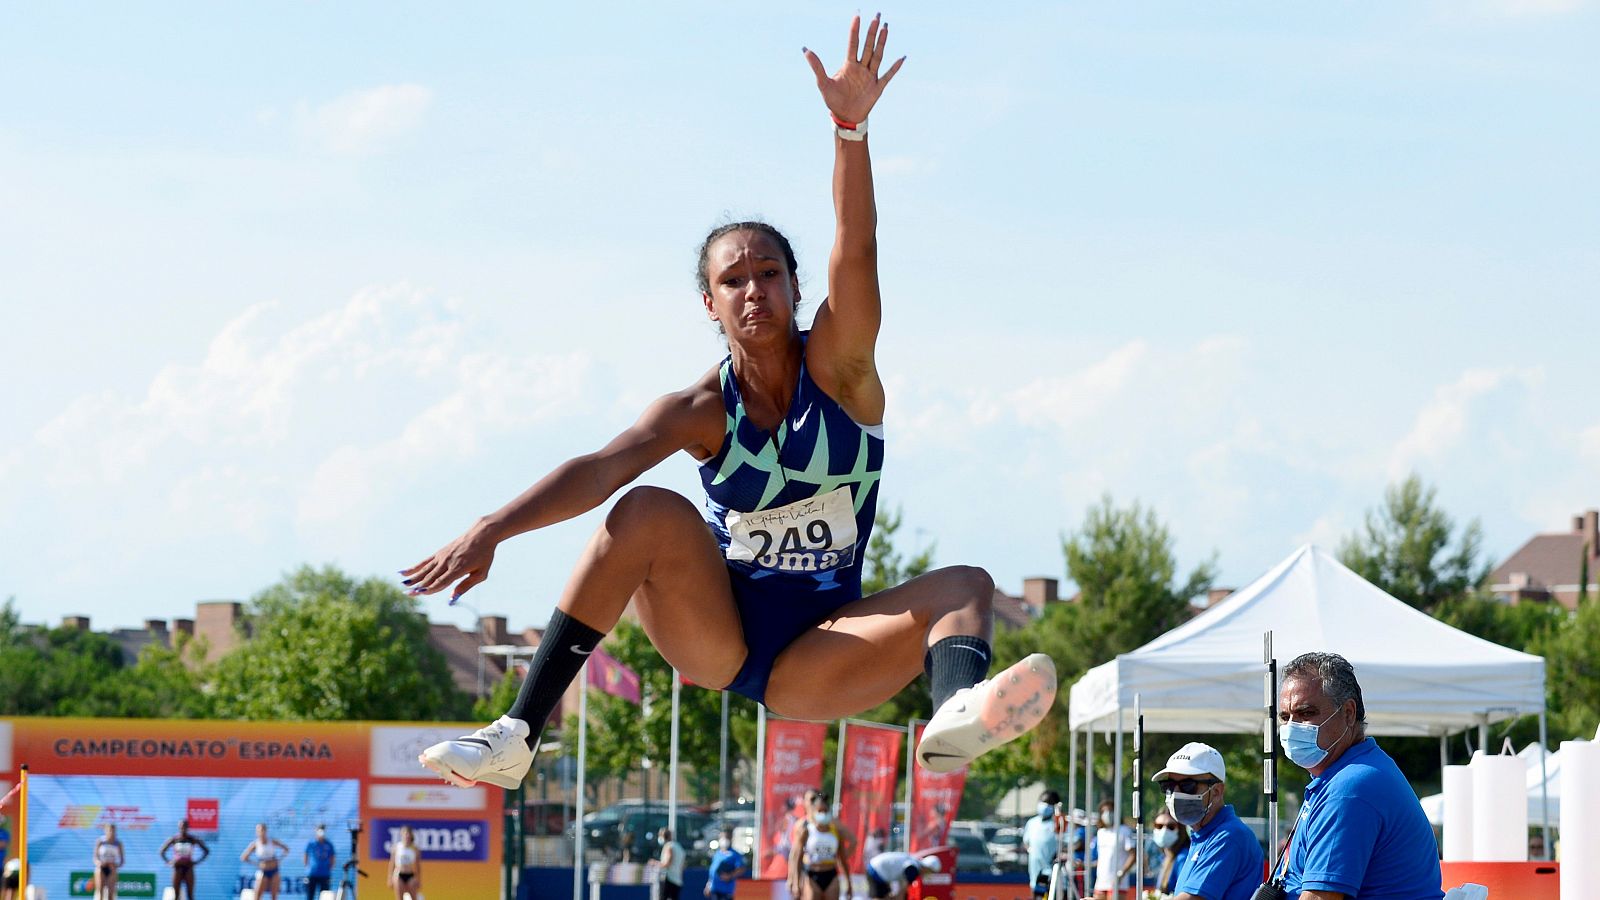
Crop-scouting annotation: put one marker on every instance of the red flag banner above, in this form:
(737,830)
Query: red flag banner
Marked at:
(792,766)
(871,762)
(935,797)
(612,677)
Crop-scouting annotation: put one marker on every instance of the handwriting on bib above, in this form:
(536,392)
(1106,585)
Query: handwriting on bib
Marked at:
(812,535)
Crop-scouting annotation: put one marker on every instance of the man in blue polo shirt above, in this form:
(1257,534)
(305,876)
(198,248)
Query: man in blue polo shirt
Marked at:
(726,867)
(1225,860)
(1361,831)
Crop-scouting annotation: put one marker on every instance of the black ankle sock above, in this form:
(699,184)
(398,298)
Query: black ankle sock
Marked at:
(563,649)
(955,663)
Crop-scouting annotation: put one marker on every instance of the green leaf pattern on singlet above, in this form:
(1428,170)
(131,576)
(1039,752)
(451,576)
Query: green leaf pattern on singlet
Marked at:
(816,469)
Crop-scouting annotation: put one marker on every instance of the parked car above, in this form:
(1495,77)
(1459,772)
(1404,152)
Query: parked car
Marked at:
(743,823)
(629,828)
(1006,848)
(972,855)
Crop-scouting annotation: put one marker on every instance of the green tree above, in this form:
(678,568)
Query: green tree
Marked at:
(1572,672)
(1405,548)
(324,646)
(165,683)
(886,566)
(1123,563)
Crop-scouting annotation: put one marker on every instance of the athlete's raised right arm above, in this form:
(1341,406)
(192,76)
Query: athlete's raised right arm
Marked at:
(683,420)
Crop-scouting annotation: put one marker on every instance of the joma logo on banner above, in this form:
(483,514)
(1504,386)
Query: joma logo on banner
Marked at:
(460,840)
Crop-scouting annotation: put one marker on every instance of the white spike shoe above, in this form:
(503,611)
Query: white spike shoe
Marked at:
(980,718)
(497,753)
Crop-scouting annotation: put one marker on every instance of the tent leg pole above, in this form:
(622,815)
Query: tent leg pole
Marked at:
(1072,771)
(1544,785)
(1089,805)
(1444,753)
(1116,796)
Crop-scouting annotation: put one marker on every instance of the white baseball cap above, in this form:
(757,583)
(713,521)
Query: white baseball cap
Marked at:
(1195,758)
(931,863)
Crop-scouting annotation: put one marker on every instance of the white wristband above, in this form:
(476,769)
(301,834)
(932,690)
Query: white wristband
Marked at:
(858,133)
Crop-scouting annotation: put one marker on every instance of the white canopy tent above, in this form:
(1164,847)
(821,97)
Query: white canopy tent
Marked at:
(1419,676)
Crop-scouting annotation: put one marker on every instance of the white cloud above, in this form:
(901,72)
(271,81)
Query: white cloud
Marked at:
(364,122)
(1440,425)
(279,427)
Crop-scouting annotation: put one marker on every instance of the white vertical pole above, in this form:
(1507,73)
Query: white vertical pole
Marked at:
(838,768)
(583,765)
(1090,836)
(672,761)
(911,750)
(1544,787)
(761,790)
(1116,799)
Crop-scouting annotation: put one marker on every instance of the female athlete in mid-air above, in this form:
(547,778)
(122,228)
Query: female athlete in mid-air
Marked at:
(761,595)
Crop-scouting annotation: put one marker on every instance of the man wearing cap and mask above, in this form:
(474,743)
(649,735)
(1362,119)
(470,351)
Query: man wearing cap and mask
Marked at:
(1361,830)
(1225,860)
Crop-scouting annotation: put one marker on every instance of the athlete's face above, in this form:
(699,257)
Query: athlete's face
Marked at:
(752,289)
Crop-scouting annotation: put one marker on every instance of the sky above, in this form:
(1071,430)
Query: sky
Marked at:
(322,283)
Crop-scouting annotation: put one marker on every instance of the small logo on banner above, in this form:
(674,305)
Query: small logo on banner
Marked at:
(202,814)
(426,796)
(129,884)
(455,840)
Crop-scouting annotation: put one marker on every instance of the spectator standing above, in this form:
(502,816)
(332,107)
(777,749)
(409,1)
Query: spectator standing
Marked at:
(726,867)
(671,865)
(1113,844)
(1040,840)
(319,856)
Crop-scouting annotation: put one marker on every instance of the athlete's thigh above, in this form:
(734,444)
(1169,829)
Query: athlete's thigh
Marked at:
(685,602)
(866,652)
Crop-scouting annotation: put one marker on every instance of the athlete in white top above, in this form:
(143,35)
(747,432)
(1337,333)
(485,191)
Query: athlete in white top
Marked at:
(267,851)
(815,859)
(107,860)
(405,866)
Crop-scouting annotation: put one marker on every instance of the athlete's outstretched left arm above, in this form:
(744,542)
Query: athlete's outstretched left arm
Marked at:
(845,332)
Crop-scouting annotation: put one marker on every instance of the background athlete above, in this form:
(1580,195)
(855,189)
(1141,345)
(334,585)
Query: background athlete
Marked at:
(179,853)
(766,601)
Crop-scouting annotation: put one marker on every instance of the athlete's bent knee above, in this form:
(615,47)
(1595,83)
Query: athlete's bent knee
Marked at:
(645,506)
(977,588)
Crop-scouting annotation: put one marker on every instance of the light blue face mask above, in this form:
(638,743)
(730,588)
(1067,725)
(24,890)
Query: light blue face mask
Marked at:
(1046,810)
(1299,741)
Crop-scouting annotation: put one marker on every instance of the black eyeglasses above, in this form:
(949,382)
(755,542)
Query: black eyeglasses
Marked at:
(1186,785)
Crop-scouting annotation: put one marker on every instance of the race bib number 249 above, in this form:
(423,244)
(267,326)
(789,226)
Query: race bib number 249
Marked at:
(806,536)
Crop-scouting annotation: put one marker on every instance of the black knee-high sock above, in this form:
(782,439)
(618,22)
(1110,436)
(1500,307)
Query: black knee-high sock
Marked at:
(955,663)
(563,649)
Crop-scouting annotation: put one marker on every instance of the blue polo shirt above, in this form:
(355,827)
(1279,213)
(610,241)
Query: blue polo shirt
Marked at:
(320,853)
(725,860)
(1225,860)
(1363,833)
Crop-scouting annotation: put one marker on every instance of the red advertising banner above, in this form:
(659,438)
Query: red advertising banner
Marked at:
(792,765)
(935,797)
(871,762)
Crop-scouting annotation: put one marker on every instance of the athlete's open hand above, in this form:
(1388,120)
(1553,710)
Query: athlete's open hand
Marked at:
(467,557)
(852,91)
